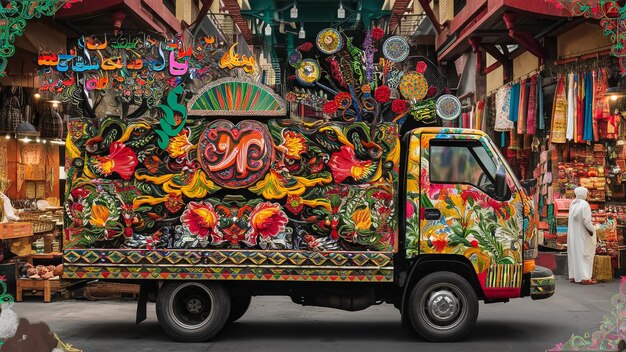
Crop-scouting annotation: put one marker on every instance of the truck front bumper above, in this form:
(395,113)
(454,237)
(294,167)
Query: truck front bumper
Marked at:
(541,283)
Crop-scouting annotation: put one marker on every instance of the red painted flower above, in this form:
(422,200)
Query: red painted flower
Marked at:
(344,164)
(343,100)
(399,106)
(382,94)
(382,195)
(77,207)
(377,33)
(294,204)
(174,202)
(121,159)
(268,220)
(128,232)
(79,193)
(330,108)
(235,234)
(410,210)
(200,218)
(439,241)
(421,67)
(432,91)
(474,243)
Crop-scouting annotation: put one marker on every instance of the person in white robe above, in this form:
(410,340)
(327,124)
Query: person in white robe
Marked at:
(581,239)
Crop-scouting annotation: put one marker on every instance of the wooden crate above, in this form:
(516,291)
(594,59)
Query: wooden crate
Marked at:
(45,288)
(10,230)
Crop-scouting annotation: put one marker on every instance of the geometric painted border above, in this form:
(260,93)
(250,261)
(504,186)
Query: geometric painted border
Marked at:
(228,265)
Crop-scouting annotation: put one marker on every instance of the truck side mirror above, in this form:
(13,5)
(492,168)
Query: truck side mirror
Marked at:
(500,183)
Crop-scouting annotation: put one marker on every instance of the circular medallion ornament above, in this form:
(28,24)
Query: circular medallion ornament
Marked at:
(295,58)
(309,72)
(396,49)
(413,86)
(235,156)
(329,41)
(448,107)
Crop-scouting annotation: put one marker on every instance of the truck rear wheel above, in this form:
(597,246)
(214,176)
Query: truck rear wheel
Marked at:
(192,311)
(442,307)
(238,307)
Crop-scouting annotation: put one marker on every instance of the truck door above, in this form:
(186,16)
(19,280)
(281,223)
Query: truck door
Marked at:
(459,213)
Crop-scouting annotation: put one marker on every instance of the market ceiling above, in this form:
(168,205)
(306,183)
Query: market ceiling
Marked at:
(312,16)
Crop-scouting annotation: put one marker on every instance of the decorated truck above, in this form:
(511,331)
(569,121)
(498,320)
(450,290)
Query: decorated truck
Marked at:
(215,189)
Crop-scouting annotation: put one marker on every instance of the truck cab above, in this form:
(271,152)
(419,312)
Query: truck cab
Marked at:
(466,215)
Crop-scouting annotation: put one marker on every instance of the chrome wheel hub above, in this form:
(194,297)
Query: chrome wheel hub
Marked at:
(443,305)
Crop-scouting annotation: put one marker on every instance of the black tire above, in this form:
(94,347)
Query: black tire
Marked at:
(442,307)
(192,311)
(238,307)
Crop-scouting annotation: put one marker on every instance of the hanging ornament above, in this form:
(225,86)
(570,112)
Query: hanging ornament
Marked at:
(448,107)
(329,41)
(413,86)
(396,49)
(309,72)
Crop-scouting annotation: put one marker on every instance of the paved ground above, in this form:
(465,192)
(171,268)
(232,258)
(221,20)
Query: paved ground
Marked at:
(275,324)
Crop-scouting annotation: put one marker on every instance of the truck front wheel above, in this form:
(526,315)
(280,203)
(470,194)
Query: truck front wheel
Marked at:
(442,307)
(192,311)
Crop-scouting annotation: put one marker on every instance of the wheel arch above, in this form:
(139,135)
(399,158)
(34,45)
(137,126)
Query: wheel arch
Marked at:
(429,263)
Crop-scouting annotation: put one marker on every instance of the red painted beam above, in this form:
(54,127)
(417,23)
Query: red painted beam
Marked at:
(475,43)
(431,15)
(524,39)
(478,13)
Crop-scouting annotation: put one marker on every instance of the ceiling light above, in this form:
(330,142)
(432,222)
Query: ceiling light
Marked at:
(58,141)
(25,139)
(301,33)
(341,12)
(615,93)
(294,11)
(37,95)
(268,30)
(8,136)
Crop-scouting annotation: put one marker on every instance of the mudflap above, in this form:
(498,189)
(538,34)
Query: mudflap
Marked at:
(542,283)
(142,302)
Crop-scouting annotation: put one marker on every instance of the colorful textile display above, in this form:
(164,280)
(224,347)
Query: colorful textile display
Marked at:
(542,122)
(514,102)
(532,106)
(588,130)
(523,103)
(571,107)
(559,113)
(502,109)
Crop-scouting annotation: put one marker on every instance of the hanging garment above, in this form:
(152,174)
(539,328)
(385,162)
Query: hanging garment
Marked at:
(514,102)
(580,107)
(581,246)
(596,78)
(502,109)
(532,106)
(559,112)
(542,121)
(523,103)
(569,132)
(480,105)
(588,130)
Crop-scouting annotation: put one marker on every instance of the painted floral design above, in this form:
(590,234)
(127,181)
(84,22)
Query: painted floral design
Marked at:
(121,160)
(99,215)
(268,220)
(201,219)
(294,144)
(472,224)
(179,145)
(344,164)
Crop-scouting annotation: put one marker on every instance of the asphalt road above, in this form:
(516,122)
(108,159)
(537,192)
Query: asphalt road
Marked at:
(276,324)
